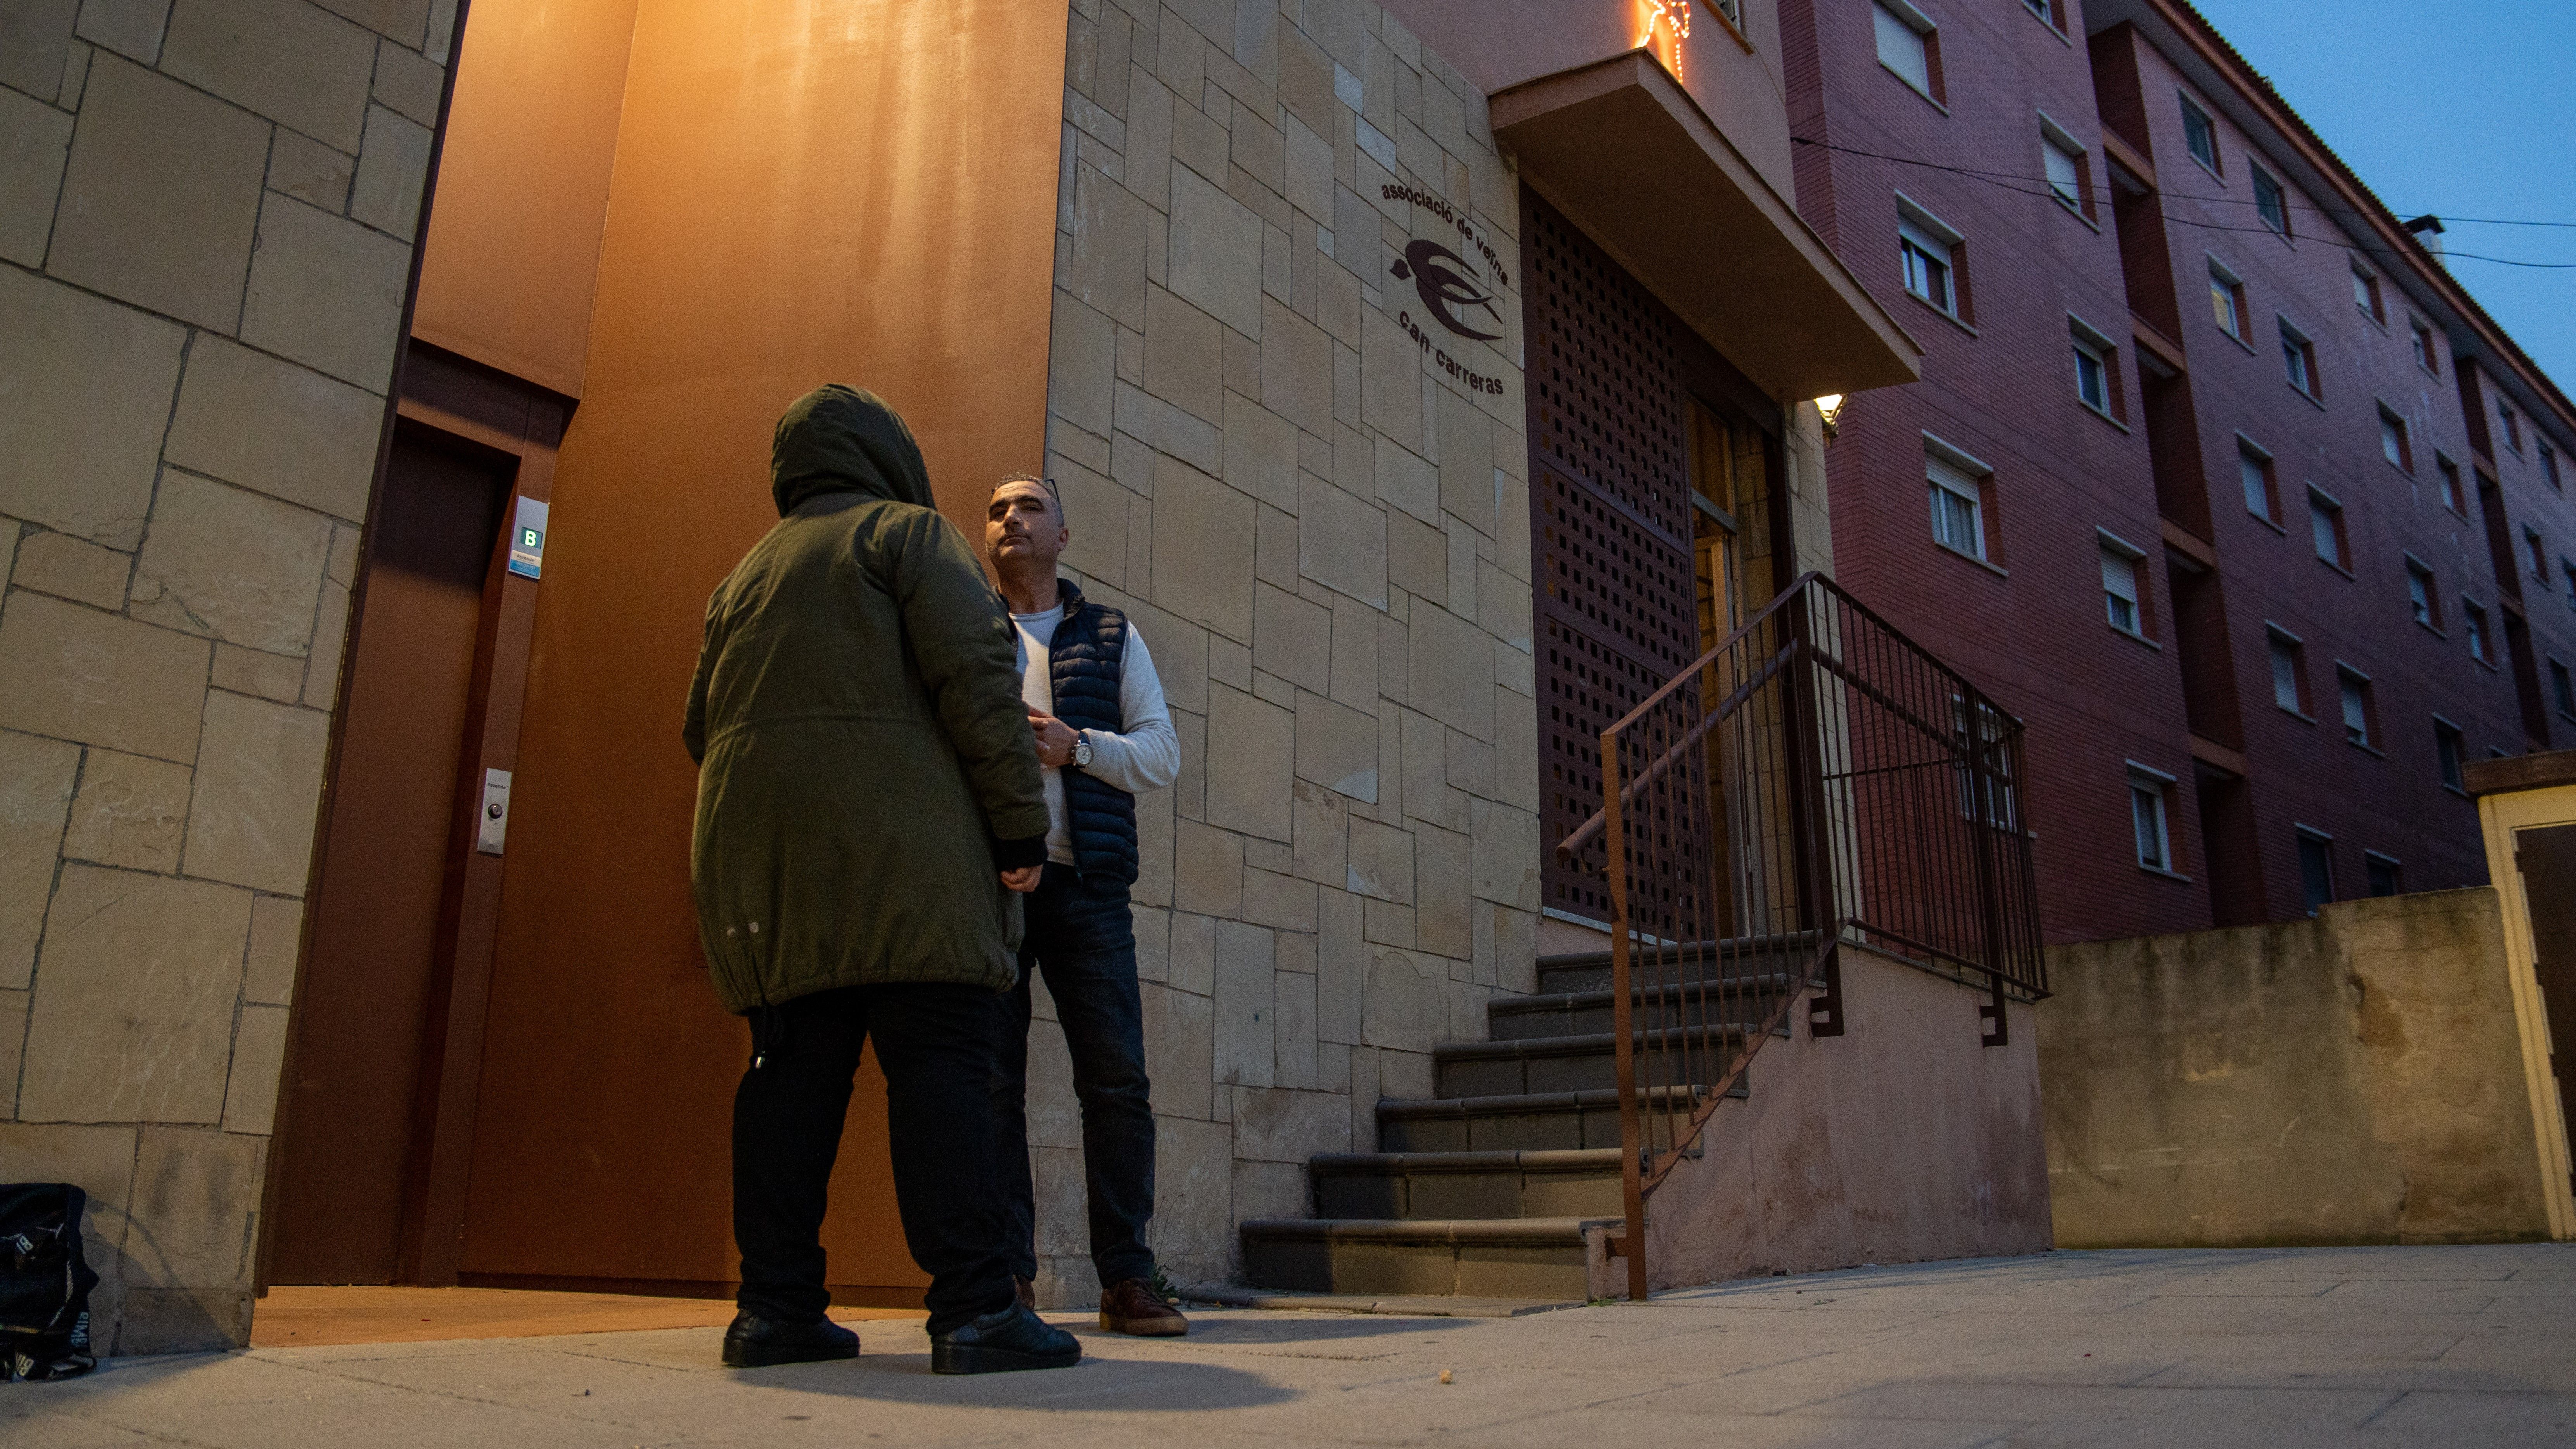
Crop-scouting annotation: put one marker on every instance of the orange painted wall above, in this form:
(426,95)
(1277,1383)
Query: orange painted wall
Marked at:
(507,275)
(803,192)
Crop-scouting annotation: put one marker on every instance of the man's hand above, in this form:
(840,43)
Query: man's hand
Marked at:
(1054,739)
(1023,880)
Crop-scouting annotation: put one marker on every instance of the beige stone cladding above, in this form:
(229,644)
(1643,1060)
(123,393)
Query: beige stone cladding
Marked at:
(1311,497)
(206,212)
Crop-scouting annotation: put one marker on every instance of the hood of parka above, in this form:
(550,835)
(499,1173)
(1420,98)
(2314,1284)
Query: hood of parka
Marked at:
(838,439)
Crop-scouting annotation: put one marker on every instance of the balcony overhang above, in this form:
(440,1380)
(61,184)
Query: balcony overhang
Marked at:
(1623,149)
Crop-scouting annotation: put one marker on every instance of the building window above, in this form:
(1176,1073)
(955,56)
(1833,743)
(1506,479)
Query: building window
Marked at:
(2065,173)
(2539,553)
(2365,295)
(2385,874)
(1958,508)
(2354,688)
(1985,795)
(2473,618)
(2567,567)
(2199,136)
(2512,426)
(2562,689)
(2423,597)
(2121,598)
(2255,468)
(2092,376)
(2316,868)
(2393,442)
(2425,357)
(2450,473)
(1927,267)
(1909,45)
(2047,10)
(2549,467)
(2065,164)
(2451,753)
(2289,676)
(1929,251)
(2227,300)
(2270,202)
(2147,819)
(2299,359)
(2097,374)
(2325,529)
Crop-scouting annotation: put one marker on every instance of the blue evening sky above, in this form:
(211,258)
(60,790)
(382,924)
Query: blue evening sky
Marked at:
(2453,108)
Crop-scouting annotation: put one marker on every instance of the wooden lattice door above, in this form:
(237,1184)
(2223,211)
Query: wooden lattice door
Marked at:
(1611,519)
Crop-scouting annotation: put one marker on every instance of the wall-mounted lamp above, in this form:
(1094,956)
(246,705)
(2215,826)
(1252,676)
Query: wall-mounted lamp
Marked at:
(1829,411)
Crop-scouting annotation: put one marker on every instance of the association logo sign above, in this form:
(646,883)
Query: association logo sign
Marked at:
(1447,283)
(1453,294)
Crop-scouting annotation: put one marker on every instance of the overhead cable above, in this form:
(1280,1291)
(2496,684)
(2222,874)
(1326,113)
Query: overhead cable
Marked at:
(2003,179)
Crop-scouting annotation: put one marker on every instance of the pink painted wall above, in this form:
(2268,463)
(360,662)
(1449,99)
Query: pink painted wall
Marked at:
(1905,1140)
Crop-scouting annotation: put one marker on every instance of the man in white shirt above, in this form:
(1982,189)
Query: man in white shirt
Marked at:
(1103,737)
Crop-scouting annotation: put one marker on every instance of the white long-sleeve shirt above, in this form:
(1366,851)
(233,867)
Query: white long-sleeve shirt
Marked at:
(1144,755)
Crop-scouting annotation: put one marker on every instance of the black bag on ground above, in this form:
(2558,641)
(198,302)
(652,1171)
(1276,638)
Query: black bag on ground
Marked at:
(45,1281)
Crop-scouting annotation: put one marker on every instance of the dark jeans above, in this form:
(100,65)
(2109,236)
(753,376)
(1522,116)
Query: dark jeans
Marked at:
(1085,942)
(935,1045)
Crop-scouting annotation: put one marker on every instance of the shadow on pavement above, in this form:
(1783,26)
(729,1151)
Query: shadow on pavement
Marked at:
(1102,1384)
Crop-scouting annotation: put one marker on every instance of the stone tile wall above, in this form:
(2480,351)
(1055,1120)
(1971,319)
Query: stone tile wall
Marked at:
(206,220)
(1322,533)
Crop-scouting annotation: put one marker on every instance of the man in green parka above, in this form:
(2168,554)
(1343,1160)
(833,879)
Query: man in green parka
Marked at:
(868,802)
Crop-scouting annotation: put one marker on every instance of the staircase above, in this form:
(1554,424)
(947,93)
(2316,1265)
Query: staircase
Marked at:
(1814,783)
(1498,1187)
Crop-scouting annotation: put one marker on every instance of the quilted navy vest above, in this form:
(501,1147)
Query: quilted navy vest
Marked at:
(1083,664)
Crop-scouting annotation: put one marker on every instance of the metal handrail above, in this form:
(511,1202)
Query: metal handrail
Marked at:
(1805,796)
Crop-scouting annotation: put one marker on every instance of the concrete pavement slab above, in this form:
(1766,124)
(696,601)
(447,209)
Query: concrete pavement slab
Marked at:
(2273,1349)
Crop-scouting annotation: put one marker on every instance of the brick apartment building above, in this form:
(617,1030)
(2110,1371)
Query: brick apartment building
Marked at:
(2234,494)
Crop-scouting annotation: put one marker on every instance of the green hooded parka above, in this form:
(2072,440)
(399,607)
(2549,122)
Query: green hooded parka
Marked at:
(863,751)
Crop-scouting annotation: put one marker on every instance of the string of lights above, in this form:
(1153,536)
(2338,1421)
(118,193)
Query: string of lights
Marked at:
(2004,178)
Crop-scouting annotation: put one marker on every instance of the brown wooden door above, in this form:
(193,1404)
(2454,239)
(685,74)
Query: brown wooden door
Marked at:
(2547,859)
(352,1123)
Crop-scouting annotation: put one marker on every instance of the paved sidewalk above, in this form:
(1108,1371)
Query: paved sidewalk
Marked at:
(2393,1346)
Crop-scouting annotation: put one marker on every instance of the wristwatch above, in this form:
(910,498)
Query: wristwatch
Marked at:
(1081,750)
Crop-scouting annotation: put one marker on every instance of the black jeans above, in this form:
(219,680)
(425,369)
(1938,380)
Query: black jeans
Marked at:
(1085,941)
(935,1045)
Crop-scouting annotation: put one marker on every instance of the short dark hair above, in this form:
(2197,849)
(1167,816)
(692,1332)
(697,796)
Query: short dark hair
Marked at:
(1055,495)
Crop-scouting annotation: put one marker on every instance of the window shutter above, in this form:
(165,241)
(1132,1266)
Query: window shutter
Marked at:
(1900,46)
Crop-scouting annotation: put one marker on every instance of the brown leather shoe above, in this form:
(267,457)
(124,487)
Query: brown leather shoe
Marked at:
(1026,1292)
(1131,1306)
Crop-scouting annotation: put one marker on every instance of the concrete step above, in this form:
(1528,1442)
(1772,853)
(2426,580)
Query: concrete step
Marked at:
(1576,1013)
(1469,1257)
(1564,1063)
(1519,1121)
(1751,955)
(1421,1305)
(1583,1182)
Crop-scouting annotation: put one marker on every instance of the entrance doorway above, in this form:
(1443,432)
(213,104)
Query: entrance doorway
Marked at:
(377,1106)
(1654,476)
(2546,859)
(384,899)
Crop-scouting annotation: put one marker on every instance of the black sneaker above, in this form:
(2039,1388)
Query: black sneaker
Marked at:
(755,1342)
(1002,1341)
